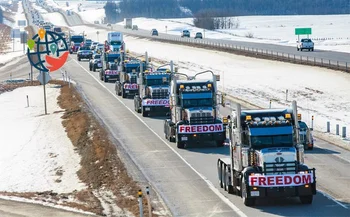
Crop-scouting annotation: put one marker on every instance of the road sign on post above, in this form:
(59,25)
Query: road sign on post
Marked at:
(303,31)
(44,78)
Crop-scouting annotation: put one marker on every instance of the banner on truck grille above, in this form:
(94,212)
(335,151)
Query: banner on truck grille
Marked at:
(131,86)
(206,128)
(281,180)
(111,72)
(155,102)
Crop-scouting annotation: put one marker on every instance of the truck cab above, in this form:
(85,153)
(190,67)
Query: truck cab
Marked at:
(193,112)
(266,157)
(153,97)
(127,85)
(306,137)
(76,41)
(110,70)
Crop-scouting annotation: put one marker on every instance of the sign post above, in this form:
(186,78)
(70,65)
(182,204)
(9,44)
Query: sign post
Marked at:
(303,31)
(44,78)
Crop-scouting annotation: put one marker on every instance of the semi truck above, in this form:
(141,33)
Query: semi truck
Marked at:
(266,157)
(110,70)
(127,85)
(193,111)
(128,23)
(306,137)
(76,41)
(153,95)
(115,41)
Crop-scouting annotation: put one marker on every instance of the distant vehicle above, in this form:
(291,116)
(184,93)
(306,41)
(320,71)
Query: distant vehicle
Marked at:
(128,23)
(135,27)
(198,35)
(185,33)
(68,12)
(108,24)
(84,53)
(93,45)
(96,22)
(47,27)
(305,44)
(99,47)
(95,62)
(305,134)
(154,32)
(57,29)
(88,42)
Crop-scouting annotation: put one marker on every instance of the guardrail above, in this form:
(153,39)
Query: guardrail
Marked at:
(243,50)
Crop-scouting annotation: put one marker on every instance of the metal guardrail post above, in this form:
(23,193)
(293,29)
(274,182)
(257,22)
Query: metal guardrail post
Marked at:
(328,127)
(337,129)
(344,133)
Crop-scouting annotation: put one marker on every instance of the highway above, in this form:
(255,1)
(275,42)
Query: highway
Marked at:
(187,179)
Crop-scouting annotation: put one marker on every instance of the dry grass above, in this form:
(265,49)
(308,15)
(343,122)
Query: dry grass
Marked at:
(101,168)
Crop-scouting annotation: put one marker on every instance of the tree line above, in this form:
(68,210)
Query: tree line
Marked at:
(269,7)
(142,8)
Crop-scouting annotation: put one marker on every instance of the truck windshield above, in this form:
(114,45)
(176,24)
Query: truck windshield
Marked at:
(77,39)
(111,59)
(189,103)
(260,142)
(152,82)
(129,69)
(116,43)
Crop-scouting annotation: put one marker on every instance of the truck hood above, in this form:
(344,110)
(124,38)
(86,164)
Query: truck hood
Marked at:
(278,157)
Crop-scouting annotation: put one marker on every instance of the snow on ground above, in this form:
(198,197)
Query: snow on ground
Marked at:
(320,92)
(330,31)
(36,154)
(54,18)
(83,8)
(16,48)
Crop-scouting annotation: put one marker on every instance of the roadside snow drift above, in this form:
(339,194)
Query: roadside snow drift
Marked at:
(36,154)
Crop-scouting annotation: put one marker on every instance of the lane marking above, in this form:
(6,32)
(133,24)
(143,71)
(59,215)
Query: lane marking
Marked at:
(333,199)
(211,186)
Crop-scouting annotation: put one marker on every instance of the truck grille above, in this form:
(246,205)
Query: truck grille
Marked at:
(201,118)
(133,79)
(160,94)
(279,168)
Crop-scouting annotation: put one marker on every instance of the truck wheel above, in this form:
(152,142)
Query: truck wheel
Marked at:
(101,78)
(220,173)
(144,114)
(306,199)
(172,139)
(228,187)
(94,69)
(79,59)
(297,49)
(180,144)
(105,79)
(311,148)
(123,94)
(220,143)
(312,49)
(247,201)
(90,68)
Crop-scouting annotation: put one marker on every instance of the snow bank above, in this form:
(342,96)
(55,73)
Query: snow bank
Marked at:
(36,154)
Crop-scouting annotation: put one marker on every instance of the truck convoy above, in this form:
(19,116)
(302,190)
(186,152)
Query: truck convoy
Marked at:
(127,85)
(115,41)
(76,41)
(193,109)
(109,70)
(266,157)
(153,95)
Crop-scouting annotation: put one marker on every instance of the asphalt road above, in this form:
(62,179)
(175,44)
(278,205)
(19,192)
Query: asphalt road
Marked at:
(187,179)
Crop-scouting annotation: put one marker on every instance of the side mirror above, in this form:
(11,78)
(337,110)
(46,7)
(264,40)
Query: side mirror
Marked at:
(311,129)
(176,69)
(149,59)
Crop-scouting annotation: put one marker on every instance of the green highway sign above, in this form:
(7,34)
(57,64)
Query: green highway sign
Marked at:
(302,31)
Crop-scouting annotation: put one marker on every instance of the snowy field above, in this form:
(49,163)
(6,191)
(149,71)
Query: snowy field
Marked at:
(36,153)
(15,49)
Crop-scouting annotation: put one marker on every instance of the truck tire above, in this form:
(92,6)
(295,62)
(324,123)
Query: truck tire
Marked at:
(90,68)
(306,199)
(312,49)
(219,168)
(247,201)
(105,79)
(123,94)
(297,49)
(94,68)
(144,114)
(180,144)
(228,187)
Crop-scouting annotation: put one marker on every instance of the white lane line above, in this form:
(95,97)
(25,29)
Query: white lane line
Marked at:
(333,199)
(211,186)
